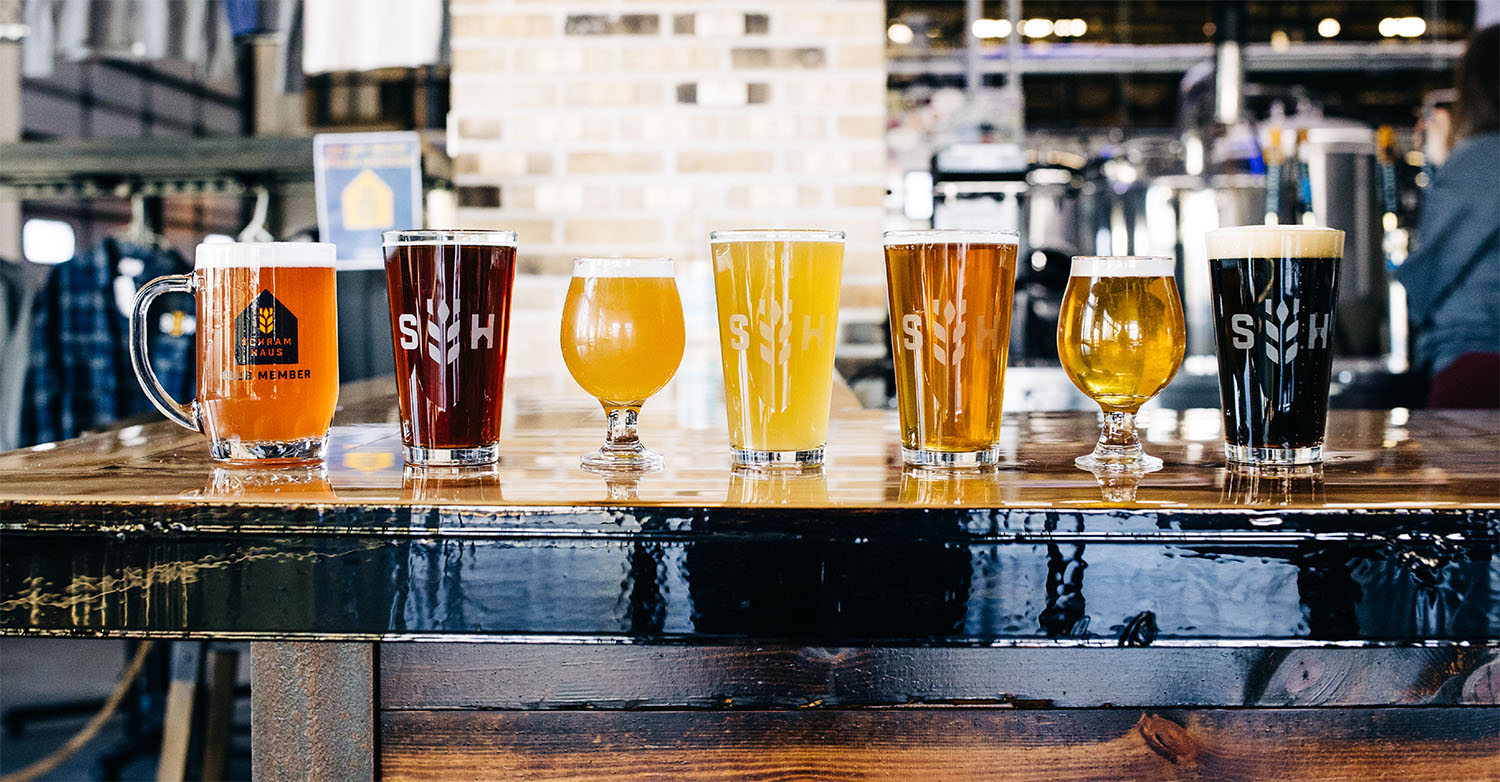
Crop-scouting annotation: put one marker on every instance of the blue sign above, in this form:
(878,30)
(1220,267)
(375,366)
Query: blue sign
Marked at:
(366,183)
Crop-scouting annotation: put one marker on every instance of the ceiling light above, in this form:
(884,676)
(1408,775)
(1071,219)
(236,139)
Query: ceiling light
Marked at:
(1329,28)
(1388,27)
(991,28)
(899,33)
(1411,27)
(1036,28)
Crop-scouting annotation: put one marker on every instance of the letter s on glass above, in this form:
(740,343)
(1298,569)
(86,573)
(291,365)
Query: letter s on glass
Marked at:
(1243,327)
(410,338)
(739,332)
(911,326)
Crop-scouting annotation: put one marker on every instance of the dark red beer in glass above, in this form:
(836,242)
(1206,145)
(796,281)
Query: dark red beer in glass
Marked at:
(450,316)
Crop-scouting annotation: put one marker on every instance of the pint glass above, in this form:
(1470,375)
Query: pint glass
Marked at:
(778,298)
(1273,295)
(950,295)
(450,313)
(267,345)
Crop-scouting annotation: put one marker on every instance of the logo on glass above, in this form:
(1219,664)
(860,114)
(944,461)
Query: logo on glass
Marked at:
(1280,329)
(265,333)
(445,332)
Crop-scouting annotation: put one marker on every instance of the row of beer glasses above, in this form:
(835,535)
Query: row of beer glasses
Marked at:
(1120,340)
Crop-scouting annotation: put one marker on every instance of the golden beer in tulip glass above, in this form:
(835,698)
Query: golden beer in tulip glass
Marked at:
(622,339)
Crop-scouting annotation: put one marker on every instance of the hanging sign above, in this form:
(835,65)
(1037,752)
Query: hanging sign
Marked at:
(366,183)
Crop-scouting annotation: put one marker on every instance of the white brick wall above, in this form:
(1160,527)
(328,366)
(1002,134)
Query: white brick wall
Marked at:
(640,138)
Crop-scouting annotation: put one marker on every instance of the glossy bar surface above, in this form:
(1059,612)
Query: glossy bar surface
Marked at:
(135,533)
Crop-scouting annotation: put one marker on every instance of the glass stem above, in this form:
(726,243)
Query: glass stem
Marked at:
(621,435)
(1119,437)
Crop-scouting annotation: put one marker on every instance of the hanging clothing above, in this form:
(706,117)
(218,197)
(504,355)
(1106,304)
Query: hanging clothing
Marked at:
(79,376)
(19,283)
(195,31)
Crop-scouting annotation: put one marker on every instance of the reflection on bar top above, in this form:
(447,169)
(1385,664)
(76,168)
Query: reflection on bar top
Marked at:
(1376,460)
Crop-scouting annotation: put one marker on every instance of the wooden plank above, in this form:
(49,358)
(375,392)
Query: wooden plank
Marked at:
(177,719)
(1403,744)
(527,676)
(312,711)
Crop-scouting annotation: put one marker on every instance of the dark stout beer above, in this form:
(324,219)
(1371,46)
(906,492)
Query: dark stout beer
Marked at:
(450,314)
(1273,297)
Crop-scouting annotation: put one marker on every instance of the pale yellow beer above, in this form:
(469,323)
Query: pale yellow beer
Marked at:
(778,300)
(1120,339)
(622,339)
(950,296)
(1120,333)
(622,333)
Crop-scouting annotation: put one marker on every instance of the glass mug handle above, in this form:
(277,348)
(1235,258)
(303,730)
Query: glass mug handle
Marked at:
(186,415)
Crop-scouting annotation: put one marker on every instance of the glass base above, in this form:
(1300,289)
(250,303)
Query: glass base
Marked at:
(622,460)
(917,457)
(1137,463)
(288,451)
(451,457)
(777,459)
(1249,454)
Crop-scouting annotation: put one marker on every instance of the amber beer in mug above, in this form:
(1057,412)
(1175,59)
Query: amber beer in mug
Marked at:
(1274,290)
(778,301)
(267,344)
(950,295)
(449,293)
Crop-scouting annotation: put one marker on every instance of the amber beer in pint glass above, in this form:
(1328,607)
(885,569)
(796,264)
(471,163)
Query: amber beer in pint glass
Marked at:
(778,297)
(267,343)
(449,293)
(950,296)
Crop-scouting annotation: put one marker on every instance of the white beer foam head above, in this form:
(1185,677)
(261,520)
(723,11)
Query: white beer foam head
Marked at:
(775,235)
(622,267)
(1123,266)
(218,255)
(473,238)
(1275,241)
(950,236)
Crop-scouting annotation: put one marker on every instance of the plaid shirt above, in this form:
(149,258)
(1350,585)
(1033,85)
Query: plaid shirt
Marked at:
(79,376)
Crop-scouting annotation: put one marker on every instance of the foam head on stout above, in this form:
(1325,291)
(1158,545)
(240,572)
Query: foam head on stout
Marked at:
(1274,290)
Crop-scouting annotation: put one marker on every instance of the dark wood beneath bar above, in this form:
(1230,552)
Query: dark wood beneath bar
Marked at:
(554,677)
(1404,744)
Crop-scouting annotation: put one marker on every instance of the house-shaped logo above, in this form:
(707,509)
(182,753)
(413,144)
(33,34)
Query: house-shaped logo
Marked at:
(265,333)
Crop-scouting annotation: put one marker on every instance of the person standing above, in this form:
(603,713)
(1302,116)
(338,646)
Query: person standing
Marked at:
(1453,279)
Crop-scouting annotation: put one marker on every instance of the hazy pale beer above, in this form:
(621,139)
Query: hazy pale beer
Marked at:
(267,344)
(622,339)
(622,331)
(449,293)
(778,300)
(950,295)
(1274,290)
(1120,331)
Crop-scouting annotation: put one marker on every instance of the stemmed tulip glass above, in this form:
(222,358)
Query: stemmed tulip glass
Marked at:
(622,339)
(1120,338)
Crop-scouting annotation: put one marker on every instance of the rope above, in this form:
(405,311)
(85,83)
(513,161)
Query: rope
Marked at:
(95,723)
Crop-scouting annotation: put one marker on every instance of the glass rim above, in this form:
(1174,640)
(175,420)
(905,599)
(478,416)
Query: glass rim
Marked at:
(775,235)
(1122,266)
(951,236)
(1124,258)
(479,237)
(661,267)
(1291,228)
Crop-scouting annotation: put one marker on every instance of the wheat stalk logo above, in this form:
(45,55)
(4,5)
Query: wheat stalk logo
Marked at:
(948,333)
(1280,327)
(265,319)
(774,327)
(442,333)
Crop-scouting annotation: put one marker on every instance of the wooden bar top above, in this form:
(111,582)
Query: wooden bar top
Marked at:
(1396,459)
(136,533)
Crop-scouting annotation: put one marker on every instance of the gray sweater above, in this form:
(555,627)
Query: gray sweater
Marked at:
(1453,279)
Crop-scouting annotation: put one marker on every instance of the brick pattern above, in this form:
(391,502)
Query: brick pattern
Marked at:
(635,127)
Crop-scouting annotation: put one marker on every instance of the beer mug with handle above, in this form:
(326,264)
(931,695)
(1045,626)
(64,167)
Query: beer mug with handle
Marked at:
(267,349)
